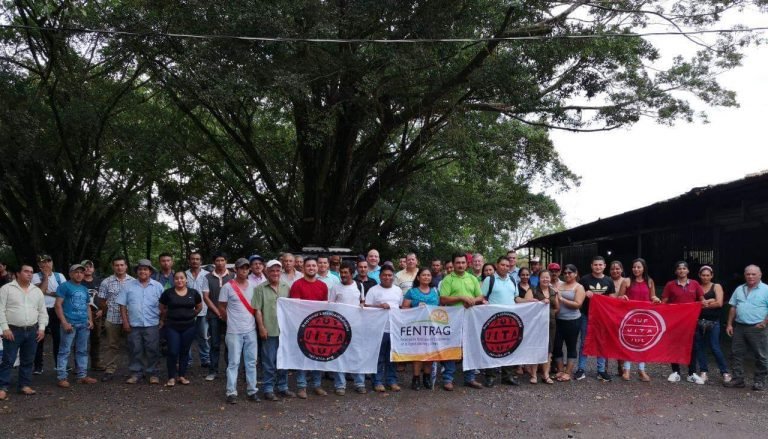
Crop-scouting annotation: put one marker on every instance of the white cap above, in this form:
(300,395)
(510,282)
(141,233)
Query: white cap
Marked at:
(273,262)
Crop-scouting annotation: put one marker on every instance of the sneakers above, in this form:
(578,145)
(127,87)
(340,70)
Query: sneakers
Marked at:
(231,399)
(727,377)
(489,381)
(604,377)
(693,378)
(703,376)
(340,392)
(253,397)
(674,377)
(210,377)
(580,375)
(37,372)
(361,390)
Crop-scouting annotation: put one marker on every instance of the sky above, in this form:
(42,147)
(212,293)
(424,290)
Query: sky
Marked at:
(630,168)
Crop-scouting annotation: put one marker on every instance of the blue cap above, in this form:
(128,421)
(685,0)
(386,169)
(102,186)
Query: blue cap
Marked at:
(255,258)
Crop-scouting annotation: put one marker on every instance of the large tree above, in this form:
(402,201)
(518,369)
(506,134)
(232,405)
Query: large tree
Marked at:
(81,136)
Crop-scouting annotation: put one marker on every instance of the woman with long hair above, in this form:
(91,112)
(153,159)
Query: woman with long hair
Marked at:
(179,306)
(421,294)
(545,293)
(708,330)
(568,322)
(639,286)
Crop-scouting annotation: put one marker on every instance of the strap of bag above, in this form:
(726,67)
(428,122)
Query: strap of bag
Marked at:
(491,280)
(239,293)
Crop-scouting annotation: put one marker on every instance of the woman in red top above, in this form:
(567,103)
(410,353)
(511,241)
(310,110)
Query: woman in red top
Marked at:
(638,287)
(683,290)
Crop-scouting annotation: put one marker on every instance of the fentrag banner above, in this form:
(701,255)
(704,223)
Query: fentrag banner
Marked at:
(501,335)
(641,331)
(426,333)
(331,337)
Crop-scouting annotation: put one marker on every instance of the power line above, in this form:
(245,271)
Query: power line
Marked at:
(386,41)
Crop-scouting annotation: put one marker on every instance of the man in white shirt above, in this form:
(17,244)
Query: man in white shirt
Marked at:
(23,317)
(196,280)
(290,275)
(385,296)
(351,293)
(235,303)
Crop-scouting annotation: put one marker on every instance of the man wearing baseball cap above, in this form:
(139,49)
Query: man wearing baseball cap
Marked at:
(265,304)
(74,312)
(257,270)
(139,301)
(235,301)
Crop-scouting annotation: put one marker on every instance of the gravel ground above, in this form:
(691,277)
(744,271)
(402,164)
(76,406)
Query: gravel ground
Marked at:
(587,408)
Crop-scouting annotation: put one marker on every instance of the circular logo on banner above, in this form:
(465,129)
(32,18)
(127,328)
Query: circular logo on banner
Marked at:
(641,329)
(439,316)
(324,335)
(502,334)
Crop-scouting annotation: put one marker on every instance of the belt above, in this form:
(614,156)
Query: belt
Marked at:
(748,324)
(23,328)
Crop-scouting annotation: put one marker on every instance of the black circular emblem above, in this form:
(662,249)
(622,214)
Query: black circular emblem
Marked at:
(502,334)
(324,335)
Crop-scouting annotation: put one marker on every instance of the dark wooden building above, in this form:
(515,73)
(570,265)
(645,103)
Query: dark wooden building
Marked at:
(725,226)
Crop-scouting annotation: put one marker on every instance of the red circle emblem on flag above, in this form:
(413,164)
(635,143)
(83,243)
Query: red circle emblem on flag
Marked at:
(641,329)
(324,335)
(501,334)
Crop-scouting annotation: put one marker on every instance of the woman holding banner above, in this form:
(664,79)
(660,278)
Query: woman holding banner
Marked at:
(568,322)
(544,292)
(638,287)
(422,295)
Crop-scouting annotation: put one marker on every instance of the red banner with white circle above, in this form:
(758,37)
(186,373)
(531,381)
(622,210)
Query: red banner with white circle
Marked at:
(641,331)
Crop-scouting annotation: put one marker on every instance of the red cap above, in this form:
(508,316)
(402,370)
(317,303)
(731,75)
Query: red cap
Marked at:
(554,266)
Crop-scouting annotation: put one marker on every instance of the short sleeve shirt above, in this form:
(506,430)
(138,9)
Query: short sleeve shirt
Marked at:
(142,302)
(329,280)
(417,297)
(504,290)
(75,304)
(675,292)
(404,280)
(239,319)
(598,285)
(751,308)
(109,290)
(466,285)
(265,300)
(351,294)
(379,295)
(305,290)
(199,283)
(54,281)
(181,309)
(215,283)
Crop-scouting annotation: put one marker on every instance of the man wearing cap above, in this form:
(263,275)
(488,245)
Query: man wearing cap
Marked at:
(74,312)
(139,301)
(216,326)
(113,320)
(257,270)
(265,304)
(48,281)
(23,317)
(555,269)
(92,282)
(196,280)
(235,303)
(290,275)
(309,288)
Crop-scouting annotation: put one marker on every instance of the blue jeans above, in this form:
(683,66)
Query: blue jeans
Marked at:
(385,369)
(201,336)
(244,345)
(582,365)
(628,365)
(340,380)
(217,329)
(25,342)
(268,352)
(144,343)
(179,340)
(711,337)
(79,337)
(301,378)
(450,371)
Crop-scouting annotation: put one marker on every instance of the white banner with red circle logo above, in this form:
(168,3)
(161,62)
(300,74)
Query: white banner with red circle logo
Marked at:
(426,333)
(501,335)
(330,337)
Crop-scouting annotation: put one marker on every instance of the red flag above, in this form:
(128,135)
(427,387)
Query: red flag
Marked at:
(641,331)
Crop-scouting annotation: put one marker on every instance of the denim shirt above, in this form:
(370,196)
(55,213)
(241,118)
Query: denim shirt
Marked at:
(142,302)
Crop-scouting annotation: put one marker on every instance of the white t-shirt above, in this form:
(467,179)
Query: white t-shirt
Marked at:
(348,294)
(239,320)
(404,280)
(53,283)
(378,295)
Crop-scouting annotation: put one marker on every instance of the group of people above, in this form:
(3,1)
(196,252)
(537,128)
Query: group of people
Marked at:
(182,308)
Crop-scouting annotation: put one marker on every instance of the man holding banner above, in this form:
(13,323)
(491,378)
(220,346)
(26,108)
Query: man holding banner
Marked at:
(747,320)
(501,289)
(385,296)
(460,289)
(309,288)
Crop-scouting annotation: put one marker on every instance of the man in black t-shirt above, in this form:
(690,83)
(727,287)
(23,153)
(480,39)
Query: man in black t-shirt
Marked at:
(362,276)
(594,283)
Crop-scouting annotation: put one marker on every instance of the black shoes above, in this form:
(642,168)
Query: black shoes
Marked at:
(426,381)
(415,383)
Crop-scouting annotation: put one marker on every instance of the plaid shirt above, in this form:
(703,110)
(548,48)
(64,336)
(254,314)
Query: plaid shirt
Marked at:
(108,290)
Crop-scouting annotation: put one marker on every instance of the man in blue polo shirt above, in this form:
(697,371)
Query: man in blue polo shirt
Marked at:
(501,289)
(747,320)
